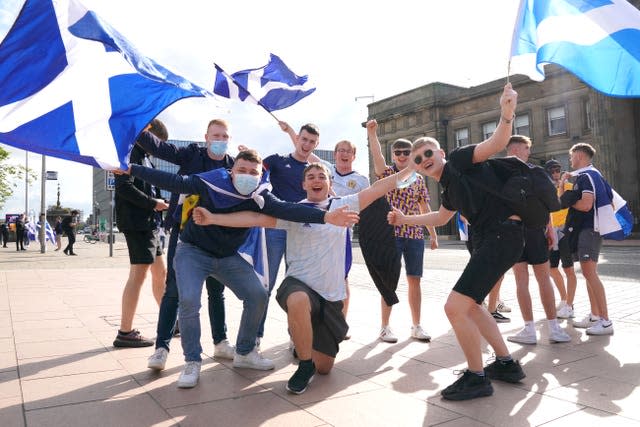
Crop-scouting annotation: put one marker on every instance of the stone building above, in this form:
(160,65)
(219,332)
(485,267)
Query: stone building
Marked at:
(555,113)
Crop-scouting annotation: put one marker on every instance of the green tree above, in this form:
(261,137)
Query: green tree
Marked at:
(9,175)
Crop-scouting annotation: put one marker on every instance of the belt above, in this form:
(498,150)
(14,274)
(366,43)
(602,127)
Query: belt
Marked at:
(512,222)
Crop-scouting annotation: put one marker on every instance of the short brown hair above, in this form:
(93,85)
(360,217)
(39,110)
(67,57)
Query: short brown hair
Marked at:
(401,143)
(519,139)
(219,122)
(311,128)
(349,143)
(315,165)
(249,155)
(585,148)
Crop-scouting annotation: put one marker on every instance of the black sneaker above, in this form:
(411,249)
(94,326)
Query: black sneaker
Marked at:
(302,377)
(468,386)
(509,371)
(499,318)
(132,339)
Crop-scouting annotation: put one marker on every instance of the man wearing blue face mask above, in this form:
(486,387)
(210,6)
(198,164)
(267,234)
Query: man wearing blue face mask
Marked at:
(213,250)
(191,159)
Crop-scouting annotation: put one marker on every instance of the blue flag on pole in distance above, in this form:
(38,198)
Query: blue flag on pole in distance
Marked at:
(598,41)
(72,87)
(273,86)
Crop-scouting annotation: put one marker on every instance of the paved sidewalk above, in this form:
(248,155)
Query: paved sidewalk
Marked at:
(59,316)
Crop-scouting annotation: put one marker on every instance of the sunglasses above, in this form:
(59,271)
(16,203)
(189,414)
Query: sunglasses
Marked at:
(402,152)
(428,153)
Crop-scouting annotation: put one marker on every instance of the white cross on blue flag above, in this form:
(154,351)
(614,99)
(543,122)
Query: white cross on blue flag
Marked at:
(597,40)
(273,86)
(72,87)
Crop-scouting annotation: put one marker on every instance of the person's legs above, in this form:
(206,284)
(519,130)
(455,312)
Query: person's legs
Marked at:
(72,241)
(521,273)
(131,295)
(494,296)
(168,312)
(458,310)
(217,314)
(192,265)
(590,273)
(276,247)
(299,322)
(547,297)
(158,278)
(413,262)
(345,302)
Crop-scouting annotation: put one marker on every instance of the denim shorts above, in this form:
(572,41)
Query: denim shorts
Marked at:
(144,246)
(412,250)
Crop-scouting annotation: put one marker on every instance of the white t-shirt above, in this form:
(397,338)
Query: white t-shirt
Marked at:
(316,253)
(350,183)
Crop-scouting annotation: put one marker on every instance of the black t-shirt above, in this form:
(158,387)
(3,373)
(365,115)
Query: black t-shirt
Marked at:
(476,204)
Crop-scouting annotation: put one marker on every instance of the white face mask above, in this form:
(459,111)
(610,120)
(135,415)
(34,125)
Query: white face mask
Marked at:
(218,148)
(245,183)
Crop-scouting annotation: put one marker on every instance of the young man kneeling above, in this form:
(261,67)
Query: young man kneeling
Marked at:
(313,289)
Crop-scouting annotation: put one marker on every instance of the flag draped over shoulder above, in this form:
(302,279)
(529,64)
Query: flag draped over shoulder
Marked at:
(72,87)
(273,86)
(598,41)
(224,195)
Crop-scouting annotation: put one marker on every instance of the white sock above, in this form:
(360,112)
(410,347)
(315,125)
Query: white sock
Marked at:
(530,326)
(553,324)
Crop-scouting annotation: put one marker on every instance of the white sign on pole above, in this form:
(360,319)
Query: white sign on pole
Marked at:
(110,181)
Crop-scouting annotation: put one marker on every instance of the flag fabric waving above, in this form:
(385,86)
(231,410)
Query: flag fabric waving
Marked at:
(598,41)
(72,87)
(273,86)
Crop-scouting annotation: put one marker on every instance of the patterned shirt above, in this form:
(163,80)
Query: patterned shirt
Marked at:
(408,201)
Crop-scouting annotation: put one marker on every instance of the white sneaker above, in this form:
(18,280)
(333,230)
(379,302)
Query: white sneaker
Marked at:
(418,333)
(565,312)
(158,359)
(387,336)
(252,360)
(189,376)
(602,327)
(559,335)
(503,308)
(588,321)
(525,336)
(224,350)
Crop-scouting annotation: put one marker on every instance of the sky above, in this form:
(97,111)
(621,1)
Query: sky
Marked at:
(369,50)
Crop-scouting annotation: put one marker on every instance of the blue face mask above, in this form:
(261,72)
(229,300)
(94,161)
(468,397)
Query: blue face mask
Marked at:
(245,183)
(218,148)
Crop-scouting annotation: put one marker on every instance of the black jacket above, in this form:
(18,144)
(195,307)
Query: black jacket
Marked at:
(135,199)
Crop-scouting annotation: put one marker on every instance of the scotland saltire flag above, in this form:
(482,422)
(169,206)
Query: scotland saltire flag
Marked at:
(72,87)
(597,40)
(273,86)
(33,231)
(463,228)
(254,251)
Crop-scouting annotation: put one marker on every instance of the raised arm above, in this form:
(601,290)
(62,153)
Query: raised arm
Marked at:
(379,164)
(160,149)
(437,218)
(498,141)
(294,139)
(244,219)
(383,186)
(168,181)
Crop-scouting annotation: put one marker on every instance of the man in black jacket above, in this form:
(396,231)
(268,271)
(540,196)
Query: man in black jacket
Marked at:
(69,227)
(20,231)
(137,206)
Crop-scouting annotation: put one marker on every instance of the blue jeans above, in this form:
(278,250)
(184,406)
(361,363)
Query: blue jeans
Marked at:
(169,304)
(192,265)
(276,249)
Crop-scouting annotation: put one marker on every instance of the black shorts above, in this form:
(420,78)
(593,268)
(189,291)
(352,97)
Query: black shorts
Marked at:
(562,254)
(495,249)
(536,247)
(328,322)
(144,246)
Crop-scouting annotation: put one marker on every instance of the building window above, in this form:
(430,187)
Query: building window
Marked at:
(587,115)
(522,125)
(462,137)
(556,120)
(488,129)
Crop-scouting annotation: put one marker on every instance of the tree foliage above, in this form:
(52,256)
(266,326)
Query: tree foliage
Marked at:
(10,175)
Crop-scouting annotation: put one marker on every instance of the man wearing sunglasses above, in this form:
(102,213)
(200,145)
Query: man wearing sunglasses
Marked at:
(498,240)
(411,200)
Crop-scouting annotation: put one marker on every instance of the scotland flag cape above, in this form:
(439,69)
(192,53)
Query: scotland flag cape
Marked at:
(611,215)
(224,195)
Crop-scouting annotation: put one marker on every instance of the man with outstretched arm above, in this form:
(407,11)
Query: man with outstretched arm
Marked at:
(313,290)
(213,250)
(498,240)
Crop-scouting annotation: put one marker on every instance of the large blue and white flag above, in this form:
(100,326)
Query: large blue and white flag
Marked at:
(72,87)
(273,86)
(597,40)
(33,231)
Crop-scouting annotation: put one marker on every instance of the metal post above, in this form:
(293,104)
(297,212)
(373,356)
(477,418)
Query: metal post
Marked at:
(111,224)
(43,213)
(26,183)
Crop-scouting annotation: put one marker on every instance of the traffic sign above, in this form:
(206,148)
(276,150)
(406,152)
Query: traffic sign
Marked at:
(110,181)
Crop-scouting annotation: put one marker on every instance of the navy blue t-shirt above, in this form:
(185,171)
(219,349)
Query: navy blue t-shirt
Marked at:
(285,174)
(583,185)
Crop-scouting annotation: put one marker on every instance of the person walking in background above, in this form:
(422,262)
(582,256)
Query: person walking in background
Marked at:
(68,225)
(20,233)
(57,228)
(4,233)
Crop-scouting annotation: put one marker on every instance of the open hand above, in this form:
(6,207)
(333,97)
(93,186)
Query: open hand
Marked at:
(341,217)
